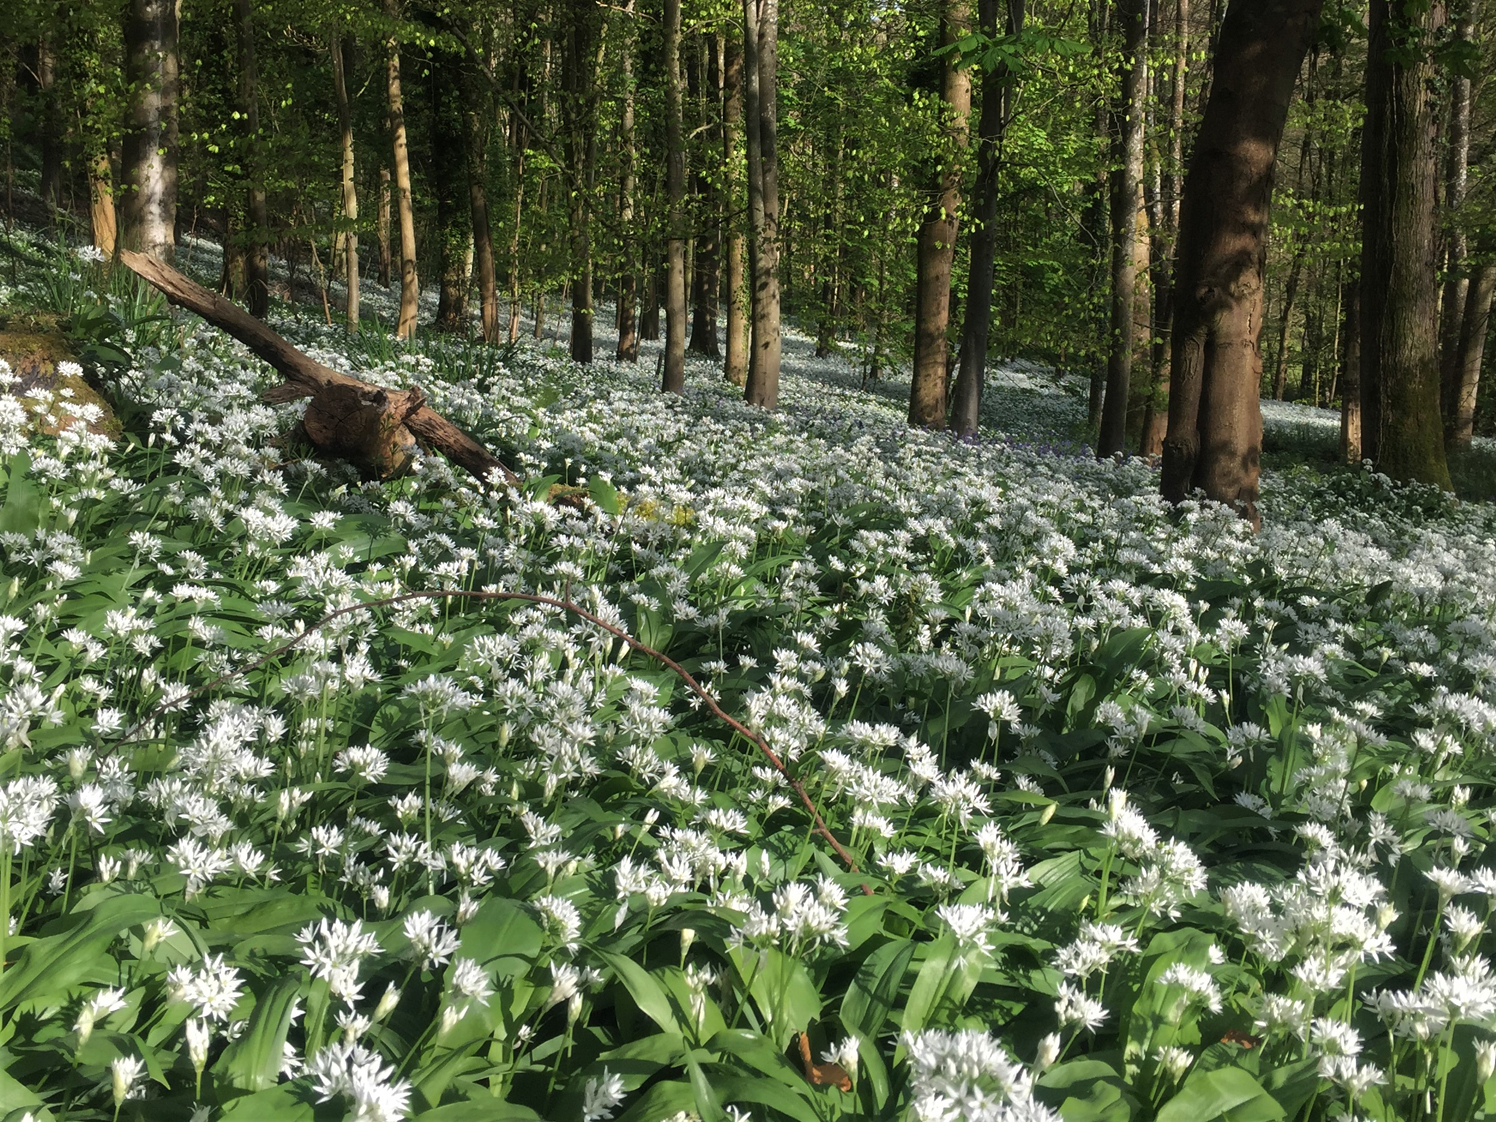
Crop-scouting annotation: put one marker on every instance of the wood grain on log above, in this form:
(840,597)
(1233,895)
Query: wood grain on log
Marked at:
(373,428)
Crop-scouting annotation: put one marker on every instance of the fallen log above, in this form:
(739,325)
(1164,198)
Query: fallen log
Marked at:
(373,428)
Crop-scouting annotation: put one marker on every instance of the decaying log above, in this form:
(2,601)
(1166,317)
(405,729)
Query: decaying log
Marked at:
(373,428)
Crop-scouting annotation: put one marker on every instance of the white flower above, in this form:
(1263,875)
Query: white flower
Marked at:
(601,1096)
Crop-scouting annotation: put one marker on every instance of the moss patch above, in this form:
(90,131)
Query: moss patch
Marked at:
(34,354)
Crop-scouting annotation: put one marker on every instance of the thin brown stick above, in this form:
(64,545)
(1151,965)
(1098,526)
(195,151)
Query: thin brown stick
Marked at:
(681,672)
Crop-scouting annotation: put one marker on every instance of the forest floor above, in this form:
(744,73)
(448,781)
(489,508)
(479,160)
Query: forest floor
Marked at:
(312,809)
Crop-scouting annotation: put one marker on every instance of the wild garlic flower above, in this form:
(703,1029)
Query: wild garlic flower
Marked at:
(334,951)
(348,1069)
(432,942)
(601,1096)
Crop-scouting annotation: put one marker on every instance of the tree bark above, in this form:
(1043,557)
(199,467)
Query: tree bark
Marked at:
(761,66)
(706,274)
(342,62)
(735,363)
(151,68)
(628,278)
(1350,378)
(1456,178)
(1215,421)
(382,231)
(370,426)
(256,230)
(674,380)
(991,124)
(1470,352)
(410,285)
(1126,187)
(1166,236)
(579,72)
(51,132)
(449,101)
(935,249)
(477,116)
(1401,424)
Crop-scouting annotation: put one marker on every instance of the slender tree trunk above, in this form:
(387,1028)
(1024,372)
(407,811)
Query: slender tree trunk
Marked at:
(101,212)
(1126,188)
(1156,417)
(739,299)
(580,80)
(382,230)
(628,278)
(1471,350)
(451,184)
(256,230)
(151,67)
(1215,421)
(1350,378)
(935,249)
(50,133)
(1456,177)
(675,181)
(1094,221)
(649,314)
(1290,295)
(477,115)
(991,124)
(761,74)
(706,275)
(342,62)
(410,285)
(763,133)
(1402,430)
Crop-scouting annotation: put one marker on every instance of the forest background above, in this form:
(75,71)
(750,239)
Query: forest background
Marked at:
(924,183)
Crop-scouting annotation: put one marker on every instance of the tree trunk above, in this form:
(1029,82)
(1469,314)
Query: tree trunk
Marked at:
(735,364)
(761,66)
(1290,294)
(342,62)
(1452,312)
(451,184)
(1127,185)
(935,250)
(649,314)
(410,285)
(50,132)
(151,67)
(1401,424)
(674,380)
(975,329)
(1215,421)
(580,81)
(102,217)
(628,279)
(477,116)
(1471,350)
(371,426)
(256,231)
(382,231)
(1350,378)
(706,276)
(1166,236)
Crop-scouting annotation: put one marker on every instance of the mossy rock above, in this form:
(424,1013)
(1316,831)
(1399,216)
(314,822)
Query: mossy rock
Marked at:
(34,354)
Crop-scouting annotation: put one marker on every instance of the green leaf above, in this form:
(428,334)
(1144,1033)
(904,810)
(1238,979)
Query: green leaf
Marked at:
(661,1101)
(252,1062)
(646,991)
(1227,1093)
(47,968)
(605,495)
(766,1092)
(875,989)
(280,1104)
(928,984)
(22,511)
(480,1110)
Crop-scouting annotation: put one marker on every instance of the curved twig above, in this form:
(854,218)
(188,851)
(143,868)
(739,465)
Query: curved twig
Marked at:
(676,668)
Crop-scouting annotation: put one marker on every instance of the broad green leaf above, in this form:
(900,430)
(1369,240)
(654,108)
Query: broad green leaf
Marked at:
(875,989)
(1227,1093)
(252,1062)
(48,967)
(738,1089)
(646,991)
